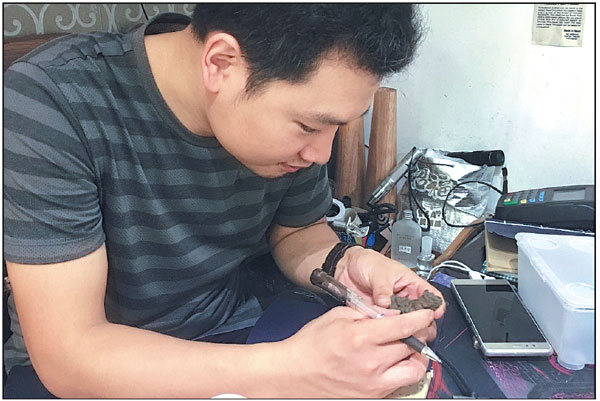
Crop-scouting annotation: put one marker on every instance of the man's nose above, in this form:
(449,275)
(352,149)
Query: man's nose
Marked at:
(318,150)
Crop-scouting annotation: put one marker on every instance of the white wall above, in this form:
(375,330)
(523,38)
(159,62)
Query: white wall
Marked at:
(478,83)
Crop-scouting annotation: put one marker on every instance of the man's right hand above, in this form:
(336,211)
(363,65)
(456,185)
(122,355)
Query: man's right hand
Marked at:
(343,354)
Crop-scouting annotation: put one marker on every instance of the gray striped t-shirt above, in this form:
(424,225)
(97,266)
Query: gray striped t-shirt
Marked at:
(93,154)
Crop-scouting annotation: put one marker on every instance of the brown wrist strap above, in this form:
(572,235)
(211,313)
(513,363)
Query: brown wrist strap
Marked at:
(334,256)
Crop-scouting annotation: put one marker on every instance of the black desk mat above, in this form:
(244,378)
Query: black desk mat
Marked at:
(531,377)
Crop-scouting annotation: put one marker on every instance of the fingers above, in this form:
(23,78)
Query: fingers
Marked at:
(382,291)
(403,288)
(390,329)
(399,285)
(431,332)
(407,285)
(407,371)
(373,348)
(384,277)
(394,328)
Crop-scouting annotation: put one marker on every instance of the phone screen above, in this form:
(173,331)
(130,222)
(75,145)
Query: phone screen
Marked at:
(498,314)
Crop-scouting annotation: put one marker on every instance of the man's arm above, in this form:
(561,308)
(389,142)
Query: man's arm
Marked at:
(298,251)
(78,353)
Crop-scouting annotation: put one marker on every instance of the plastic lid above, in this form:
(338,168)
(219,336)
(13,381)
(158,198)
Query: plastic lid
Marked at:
(565,262)
(426,245)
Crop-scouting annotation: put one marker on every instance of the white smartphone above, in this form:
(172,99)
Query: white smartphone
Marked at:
(501,324)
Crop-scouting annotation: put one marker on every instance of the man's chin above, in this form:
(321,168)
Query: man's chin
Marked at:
(272,176)
(268,173)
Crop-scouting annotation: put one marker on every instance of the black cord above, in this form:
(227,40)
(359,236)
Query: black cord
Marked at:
(144,11)
(383,208)
(376,218)
(346,201)
(411,195)
(504,180)
(458,378)
(448,196)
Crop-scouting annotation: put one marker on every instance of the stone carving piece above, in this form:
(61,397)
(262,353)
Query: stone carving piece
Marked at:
(427,300)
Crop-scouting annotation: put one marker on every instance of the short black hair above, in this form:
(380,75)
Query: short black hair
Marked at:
(287,41)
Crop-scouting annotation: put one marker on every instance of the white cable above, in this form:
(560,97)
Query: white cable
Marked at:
(456,263)
(460,266)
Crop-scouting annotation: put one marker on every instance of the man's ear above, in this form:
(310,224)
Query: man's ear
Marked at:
(221,57)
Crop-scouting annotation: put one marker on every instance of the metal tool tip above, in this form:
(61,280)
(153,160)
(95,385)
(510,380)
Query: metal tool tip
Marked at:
(430,354)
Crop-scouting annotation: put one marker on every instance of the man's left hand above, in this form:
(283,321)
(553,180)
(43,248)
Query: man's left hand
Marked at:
(376,278)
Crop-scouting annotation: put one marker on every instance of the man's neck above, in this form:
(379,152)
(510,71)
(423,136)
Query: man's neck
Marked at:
(174,61)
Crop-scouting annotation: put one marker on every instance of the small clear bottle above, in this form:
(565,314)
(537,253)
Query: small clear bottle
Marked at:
(425,259)
(406,240)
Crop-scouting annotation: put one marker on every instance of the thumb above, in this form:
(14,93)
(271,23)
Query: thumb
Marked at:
(382,291)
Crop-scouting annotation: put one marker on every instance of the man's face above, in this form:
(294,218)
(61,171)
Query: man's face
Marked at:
(285,126)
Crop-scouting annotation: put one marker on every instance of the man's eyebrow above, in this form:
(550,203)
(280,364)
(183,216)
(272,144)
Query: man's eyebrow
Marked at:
(330,120)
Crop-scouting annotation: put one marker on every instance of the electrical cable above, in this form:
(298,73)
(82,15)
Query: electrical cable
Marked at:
(460,267)
(452,190)
(144,11)
(504,180)
(458,378)
(457,264)
(347,201)
(412,196)
(376,217)
(450,266)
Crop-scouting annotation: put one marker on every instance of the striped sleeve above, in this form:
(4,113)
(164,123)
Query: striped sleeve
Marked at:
(51,201)
(307,200)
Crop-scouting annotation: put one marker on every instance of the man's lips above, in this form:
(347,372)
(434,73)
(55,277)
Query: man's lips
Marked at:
(289,168)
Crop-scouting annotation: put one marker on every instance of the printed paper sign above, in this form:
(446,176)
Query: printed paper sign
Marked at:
(558,24)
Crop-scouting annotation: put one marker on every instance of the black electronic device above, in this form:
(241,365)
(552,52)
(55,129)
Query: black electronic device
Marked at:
(571,207)
(481,157)
(501,324)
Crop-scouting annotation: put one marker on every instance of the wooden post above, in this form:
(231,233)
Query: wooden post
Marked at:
(350,165)
(382,144)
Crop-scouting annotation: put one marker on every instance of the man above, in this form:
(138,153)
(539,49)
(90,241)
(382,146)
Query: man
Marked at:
(142,169)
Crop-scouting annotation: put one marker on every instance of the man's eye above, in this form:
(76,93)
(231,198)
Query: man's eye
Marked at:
(307,129)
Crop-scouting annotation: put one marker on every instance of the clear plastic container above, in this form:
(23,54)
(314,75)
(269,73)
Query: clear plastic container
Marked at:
(425,259)
(556,284)
(406,240)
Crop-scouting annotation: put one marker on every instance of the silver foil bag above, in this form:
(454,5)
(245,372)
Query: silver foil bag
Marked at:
(432,176)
